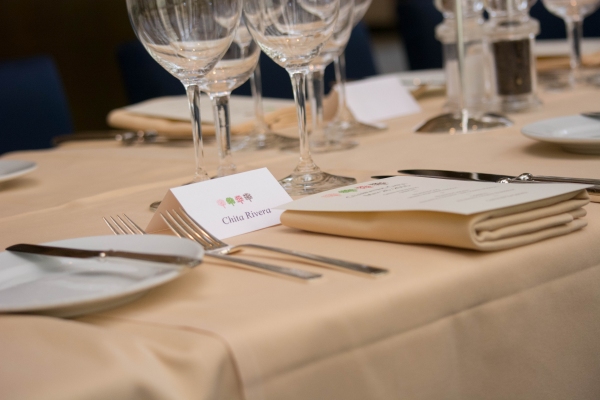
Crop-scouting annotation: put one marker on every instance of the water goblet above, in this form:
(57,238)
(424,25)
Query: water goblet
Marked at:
(344,123)
(573,13)
(187,38)
(292,32)
(232,70)
(325,140)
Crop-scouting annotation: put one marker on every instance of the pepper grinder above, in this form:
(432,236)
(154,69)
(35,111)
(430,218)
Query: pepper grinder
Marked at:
(510,38)
(475,94)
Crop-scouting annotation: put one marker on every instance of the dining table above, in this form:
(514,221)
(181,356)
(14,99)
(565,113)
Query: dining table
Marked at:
(444,323)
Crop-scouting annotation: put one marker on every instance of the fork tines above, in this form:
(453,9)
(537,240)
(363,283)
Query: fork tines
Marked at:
(123,226)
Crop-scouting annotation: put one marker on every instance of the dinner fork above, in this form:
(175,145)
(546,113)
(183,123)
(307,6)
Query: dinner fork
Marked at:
(126,226)
(183,225)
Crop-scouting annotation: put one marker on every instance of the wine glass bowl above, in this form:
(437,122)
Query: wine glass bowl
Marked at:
(187,38)
(289,33)
(573,9)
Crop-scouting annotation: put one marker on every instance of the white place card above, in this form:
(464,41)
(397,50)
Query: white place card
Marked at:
(411,193)
(227,206)
(376,99)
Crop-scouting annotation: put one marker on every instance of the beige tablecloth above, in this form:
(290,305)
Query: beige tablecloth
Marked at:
(444,324)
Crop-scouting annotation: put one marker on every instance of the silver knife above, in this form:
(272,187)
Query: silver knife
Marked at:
(485,177)
(101,254)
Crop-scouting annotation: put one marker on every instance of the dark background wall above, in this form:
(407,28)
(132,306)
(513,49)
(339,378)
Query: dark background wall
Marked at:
(81,36)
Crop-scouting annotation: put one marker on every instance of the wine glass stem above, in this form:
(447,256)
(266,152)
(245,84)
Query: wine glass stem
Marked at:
(317,83)
(574,34)
(339,64)
(260,126)
(223,133)
(193,94)
(306,164)
(460,50)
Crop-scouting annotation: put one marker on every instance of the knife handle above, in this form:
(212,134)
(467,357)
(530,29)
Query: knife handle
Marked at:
(584,181)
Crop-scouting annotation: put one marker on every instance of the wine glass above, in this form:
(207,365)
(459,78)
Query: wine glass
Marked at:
(322,140)
(573,12)
(292,33)
(232,70)
(187,38)
(344,123)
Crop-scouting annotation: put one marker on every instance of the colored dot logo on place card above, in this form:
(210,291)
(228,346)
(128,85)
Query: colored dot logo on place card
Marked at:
(232,201)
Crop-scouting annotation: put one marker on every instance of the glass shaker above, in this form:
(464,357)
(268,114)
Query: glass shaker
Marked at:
(475,93)
(510,38)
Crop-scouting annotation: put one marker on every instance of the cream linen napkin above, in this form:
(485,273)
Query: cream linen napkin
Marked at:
(487,231)
(283,118)
(124,119)
(549,63)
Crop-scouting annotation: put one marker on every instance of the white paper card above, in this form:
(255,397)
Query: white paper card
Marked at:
(410,193)
(227,206)
(376,99)
(177,108)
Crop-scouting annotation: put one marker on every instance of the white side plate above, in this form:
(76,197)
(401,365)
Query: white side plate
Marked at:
(67,287)
(11,169)
(575,133)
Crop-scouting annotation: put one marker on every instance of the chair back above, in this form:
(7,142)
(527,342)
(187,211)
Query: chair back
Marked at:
(33,104)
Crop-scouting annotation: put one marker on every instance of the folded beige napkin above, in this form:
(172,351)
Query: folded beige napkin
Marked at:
(487,231)
(123,119)
(550,63)
(283,118)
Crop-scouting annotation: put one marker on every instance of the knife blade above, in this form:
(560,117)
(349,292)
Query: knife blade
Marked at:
(486,177)
(101,254)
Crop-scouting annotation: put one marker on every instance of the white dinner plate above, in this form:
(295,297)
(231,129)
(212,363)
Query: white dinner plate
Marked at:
(574,133)
(11,169)
(67,287)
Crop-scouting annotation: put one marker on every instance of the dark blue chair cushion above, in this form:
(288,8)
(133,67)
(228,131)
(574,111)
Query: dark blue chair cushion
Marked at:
(144,78)
(33,105)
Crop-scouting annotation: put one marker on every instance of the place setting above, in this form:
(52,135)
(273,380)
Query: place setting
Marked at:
(79,276)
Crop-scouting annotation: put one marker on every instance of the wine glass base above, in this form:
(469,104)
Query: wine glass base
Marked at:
(340,128)
(299,185)
(452,123)
(328,146)
(266,141)
(324,146)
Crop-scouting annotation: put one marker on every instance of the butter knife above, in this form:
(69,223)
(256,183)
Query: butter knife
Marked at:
(485,177)
(101,254)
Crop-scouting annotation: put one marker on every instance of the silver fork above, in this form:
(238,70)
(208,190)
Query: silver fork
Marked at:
(183,225)
(126,226)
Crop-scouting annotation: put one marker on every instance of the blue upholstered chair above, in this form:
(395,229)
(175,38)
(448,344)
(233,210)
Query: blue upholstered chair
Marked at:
(144,78)
(33,105)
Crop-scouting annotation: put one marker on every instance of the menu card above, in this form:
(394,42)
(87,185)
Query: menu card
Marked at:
(410,193)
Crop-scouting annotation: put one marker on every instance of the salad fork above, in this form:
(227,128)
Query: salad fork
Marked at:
(126,226)
(183,225)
